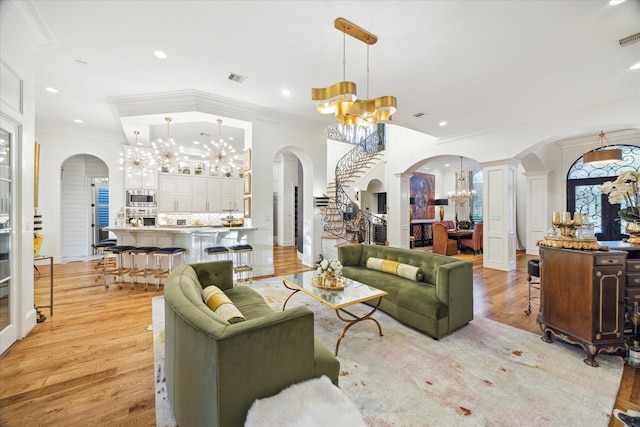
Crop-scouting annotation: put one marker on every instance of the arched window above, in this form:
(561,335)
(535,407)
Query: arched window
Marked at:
(477,181)
(583,191)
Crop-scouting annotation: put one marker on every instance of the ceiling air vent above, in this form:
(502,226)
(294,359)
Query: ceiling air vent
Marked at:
(418,115)
(237,77)
(635,38)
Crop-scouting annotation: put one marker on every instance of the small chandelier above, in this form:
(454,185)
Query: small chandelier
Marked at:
(166,152)
(602,155)
(220,155)
(462,193)
(136,161)
(340,98)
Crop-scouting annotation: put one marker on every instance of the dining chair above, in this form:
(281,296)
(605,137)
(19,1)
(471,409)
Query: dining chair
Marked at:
(442,244)
(475,241)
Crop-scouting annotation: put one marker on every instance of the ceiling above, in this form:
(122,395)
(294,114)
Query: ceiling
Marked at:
(474,64)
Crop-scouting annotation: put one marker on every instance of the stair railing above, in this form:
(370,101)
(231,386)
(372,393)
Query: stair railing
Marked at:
(343,217)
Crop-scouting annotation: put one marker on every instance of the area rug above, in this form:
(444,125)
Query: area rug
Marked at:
(484,374)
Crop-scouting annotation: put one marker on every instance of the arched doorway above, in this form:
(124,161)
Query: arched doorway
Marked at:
(84,205)
(583,192)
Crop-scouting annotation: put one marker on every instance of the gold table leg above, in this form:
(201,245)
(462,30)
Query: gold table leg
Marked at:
(295,291)
(355,319)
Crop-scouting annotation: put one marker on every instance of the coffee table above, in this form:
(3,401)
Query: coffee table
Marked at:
(354,293)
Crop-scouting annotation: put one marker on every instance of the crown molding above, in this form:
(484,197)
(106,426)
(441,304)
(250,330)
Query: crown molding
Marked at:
(30,23)
(193,100)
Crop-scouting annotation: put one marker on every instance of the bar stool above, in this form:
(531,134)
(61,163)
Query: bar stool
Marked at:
(533,270)
(106,258)
(242,261)
(145,269)
(120,269)
(219,252)
(169,253)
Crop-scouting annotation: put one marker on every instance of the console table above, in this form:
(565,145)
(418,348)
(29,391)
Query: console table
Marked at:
(582,299)
(50,258)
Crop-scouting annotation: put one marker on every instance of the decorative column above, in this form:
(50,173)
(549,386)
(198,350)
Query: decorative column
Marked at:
(398,223)
(537,218)
(499,215)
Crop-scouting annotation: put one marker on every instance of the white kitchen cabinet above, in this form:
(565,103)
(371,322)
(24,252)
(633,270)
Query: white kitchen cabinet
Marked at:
(174,193)
(149,181)
(198,194)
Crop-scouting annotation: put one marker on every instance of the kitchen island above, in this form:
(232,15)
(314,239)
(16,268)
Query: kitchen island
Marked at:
(190,237)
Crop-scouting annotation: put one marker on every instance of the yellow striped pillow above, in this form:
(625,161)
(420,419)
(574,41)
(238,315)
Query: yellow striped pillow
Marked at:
(221,305)
(396,268)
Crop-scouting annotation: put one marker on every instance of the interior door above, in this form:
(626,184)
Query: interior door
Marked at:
(583,195)
(8,300)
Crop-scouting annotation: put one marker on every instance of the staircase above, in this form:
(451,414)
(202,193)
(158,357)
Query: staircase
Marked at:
(342,219)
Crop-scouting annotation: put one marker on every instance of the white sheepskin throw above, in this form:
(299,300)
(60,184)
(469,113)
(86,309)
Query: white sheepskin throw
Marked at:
(312,403)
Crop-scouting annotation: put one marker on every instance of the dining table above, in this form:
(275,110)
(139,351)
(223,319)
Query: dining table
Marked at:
(459,234)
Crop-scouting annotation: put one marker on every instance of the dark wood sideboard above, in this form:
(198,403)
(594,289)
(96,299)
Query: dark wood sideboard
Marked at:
(582,297)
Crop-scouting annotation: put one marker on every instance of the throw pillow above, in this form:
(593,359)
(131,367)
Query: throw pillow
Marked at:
(396,268)
(221,305)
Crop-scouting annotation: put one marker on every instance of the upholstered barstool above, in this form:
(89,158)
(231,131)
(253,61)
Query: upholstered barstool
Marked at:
(106,258)
(120,269)
(170,253)
(533,270)
(219,252)
(140,266)
(242,262)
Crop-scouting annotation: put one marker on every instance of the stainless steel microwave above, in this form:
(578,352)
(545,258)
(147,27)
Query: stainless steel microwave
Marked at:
(141,198)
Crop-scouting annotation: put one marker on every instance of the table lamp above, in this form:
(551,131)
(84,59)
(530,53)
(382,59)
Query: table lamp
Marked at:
(442,203)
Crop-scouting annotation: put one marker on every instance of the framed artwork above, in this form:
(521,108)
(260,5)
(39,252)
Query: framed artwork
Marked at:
(246,177)
(422,189)
(247,159)
(247,206)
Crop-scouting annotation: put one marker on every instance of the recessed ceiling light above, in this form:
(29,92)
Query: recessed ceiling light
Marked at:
(230,138)
(51,89)
(615,2)
(77,120)
(442,123)
(285,92)
(447,165)
(635,66)
(196,142)
(160,54)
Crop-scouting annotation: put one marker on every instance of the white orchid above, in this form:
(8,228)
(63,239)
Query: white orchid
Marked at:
(624,189)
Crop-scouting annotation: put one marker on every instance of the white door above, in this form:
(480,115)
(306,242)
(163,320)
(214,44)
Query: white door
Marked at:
(8,294)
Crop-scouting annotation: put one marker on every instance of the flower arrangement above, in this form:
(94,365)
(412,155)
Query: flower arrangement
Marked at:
(624,189)
(329,267)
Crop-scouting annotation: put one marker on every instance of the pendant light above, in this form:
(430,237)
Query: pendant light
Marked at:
(602,155)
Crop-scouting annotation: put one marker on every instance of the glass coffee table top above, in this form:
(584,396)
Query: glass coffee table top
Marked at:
(355,292)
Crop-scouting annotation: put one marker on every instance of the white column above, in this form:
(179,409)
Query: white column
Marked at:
(499,215)
(537,218)
(398,210)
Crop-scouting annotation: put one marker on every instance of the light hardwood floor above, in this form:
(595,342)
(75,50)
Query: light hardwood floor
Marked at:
(91,363)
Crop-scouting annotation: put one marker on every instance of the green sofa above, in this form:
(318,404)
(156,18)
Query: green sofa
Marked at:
(437,305)
(214,369)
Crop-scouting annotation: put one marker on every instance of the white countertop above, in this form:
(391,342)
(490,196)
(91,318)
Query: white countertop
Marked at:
(180,229)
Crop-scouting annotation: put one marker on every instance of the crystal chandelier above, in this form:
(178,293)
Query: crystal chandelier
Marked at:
(166,152)
(136,161)
(220,155)
(462,193)
(340,98)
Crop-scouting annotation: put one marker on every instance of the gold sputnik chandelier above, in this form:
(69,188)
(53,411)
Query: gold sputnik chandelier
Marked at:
(341,100)
(220,155)
(167,153)
(136,161)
